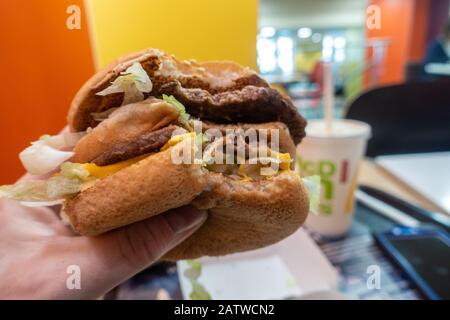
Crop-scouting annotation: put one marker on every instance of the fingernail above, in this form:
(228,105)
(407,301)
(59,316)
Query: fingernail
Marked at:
(185,218)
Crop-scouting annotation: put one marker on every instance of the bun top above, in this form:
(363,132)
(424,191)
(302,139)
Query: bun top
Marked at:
(219,91)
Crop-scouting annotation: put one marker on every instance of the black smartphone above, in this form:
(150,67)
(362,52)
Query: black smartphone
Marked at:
(424,255)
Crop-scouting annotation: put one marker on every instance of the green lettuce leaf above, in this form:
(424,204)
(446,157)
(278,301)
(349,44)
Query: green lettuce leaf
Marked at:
(312,184)
(30,190)
(194,271)
(199,292)
(192,274)
(75,171)
(200,139)
(184,117)
(58,187)
(133,82)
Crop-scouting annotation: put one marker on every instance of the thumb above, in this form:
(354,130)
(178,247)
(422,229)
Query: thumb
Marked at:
(126,251)
(144,242)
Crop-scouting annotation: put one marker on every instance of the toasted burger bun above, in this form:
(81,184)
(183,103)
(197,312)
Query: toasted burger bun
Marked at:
(222,92)
(140,191)
(245,215)
(242,215)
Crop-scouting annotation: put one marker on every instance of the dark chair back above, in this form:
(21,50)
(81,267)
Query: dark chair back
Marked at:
(414,71)
(406,118)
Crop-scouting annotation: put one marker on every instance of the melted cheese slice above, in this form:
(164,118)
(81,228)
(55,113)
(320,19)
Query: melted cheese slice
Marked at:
(285,159)
(103,171)
(177,139)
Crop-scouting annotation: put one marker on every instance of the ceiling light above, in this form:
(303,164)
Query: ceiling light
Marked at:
(267,32)
(304,33)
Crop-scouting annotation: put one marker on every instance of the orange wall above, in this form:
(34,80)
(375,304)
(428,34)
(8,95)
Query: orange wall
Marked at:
(396,17)
(419,30)
(405,24)
(43,64)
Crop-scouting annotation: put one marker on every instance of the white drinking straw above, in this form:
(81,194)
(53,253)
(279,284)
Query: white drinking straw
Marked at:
(328,95)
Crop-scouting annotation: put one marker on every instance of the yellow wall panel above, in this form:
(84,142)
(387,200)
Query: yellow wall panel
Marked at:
(200,29)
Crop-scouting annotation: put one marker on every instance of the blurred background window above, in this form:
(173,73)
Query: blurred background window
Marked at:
(296,37)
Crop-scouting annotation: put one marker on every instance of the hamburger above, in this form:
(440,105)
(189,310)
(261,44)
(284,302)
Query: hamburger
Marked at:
(150,133)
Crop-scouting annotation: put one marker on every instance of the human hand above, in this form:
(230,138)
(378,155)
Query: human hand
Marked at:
(36,249)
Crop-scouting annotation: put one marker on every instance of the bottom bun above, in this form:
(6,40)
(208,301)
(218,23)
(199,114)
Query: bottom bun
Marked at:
(145,189)
(245,215)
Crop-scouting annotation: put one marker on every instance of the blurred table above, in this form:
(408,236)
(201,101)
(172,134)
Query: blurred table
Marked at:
(352,254)
(372,175)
